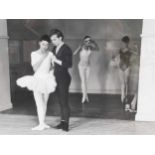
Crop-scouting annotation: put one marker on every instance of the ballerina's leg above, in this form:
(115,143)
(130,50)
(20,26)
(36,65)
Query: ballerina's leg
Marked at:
(40,110)
(121,75)
(46,97)
(87,78)
(126,78)
(83,85)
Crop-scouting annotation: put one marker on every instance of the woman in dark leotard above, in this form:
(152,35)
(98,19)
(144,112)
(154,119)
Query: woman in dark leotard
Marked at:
(125,54)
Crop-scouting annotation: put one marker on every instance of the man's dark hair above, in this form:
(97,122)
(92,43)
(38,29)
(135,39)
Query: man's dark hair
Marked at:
(125,39)
(56,32)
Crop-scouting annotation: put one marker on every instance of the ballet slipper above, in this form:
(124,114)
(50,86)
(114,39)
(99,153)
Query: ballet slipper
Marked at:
(41,127)
(46,126)
(127,107)
(83,100)
(38,128)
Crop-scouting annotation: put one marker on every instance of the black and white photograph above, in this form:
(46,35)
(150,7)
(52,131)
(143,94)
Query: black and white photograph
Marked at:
(75,76)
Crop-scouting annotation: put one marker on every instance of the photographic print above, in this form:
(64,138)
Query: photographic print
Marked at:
(76,76)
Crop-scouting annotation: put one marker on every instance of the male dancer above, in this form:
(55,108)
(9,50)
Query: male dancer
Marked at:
(63,61)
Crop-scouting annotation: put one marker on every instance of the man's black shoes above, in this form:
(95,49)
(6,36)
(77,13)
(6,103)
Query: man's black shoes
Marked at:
(63,125)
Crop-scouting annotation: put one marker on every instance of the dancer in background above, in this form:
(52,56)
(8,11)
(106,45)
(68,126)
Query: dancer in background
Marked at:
(85,50)
(123,59)
(42,83)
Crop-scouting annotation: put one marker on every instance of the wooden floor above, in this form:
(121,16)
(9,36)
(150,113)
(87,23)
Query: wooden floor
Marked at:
(103,115)
(100,106)
(22,124)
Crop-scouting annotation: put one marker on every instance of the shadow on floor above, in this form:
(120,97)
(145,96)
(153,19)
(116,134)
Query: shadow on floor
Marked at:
(100,106)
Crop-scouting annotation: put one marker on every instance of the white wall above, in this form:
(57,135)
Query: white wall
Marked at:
(5,101)
(146,95)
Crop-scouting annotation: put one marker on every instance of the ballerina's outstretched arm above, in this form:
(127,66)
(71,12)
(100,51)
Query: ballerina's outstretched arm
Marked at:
(77,50)
(94,45)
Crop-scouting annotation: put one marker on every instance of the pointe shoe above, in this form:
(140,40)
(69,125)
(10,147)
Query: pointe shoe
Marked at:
(46,126)
(38,128)
(86,100)
(83,101)
(127,107)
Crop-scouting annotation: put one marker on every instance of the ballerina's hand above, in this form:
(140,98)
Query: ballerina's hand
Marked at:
(54,58)
(51,56)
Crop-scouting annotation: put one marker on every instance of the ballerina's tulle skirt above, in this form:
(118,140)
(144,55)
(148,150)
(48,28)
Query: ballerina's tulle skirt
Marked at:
(43,84)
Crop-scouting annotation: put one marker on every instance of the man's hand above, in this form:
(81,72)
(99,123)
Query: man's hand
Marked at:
(57,61)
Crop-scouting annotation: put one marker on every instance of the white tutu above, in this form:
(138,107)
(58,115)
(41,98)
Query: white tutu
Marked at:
(44,83)
(43,80)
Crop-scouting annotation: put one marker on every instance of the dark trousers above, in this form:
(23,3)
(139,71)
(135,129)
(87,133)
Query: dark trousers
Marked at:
(63,95)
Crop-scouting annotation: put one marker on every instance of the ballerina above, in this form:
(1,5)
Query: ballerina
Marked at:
(85,50)
(42,83)
(123,60)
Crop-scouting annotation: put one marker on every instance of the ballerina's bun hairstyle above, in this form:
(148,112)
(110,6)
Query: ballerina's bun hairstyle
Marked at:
(45,37)
(125,39)
(87,37)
